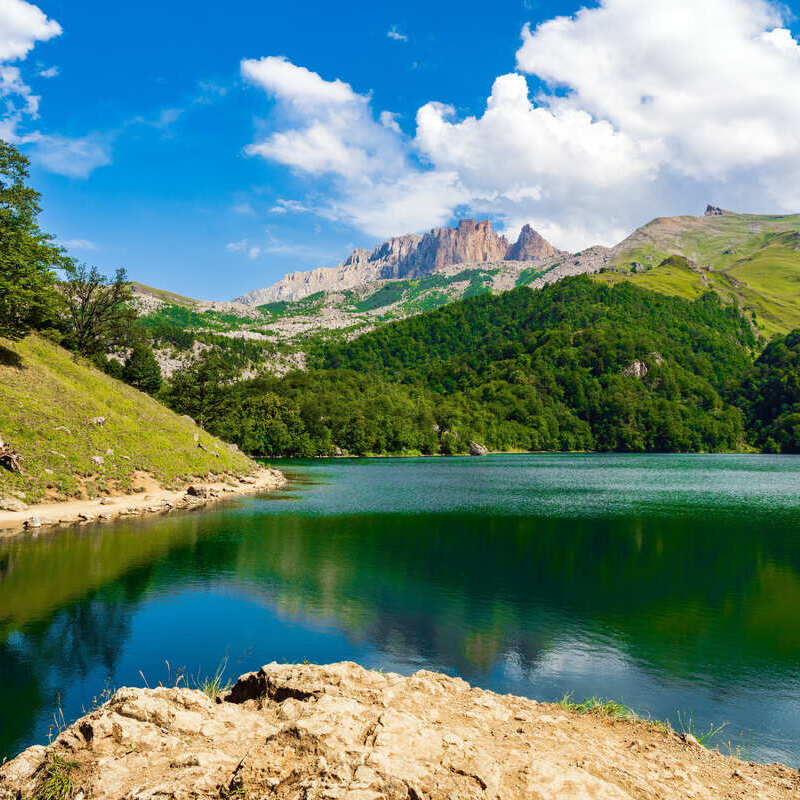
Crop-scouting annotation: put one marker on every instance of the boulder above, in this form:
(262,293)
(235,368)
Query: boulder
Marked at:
(476,449)
(12,504)
(97,421)
(197,491)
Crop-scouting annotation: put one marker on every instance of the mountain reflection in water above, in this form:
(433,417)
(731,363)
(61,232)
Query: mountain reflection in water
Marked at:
(669,582)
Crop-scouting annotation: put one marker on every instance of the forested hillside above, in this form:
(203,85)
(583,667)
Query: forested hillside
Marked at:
(770,396)
(577,365)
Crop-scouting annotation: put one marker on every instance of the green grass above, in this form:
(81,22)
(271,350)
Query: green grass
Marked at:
(670,279)
(688,727)
(599,706)
(57,779)
(217,684)
(750,259)
(606,707)
(48,396)
(163,294)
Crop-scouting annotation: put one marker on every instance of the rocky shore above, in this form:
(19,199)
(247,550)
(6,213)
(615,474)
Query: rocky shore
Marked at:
(340,731)
(151,499)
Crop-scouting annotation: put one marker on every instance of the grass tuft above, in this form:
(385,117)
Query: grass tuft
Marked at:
(600,706)
(217,684)
(57,783)
(687,726)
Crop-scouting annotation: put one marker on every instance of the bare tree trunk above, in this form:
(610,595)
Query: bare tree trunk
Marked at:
(9,457)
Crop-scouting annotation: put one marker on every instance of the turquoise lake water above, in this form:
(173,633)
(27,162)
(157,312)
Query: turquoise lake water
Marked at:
(669,582)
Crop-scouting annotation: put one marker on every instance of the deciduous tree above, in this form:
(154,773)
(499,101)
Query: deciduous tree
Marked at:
(28,256)
(100,317)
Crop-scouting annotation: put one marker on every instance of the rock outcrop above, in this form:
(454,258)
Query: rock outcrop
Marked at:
(470,243)
(530,246)
(476,449)
(339,731)
(409,256)
(636,369)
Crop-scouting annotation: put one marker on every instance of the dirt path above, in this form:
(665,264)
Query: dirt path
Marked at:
(151,499)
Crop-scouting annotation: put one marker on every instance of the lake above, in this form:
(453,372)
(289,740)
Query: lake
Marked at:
(670,582)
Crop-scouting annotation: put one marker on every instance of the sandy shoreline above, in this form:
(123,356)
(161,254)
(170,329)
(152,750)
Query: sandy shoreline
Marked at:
(153,500)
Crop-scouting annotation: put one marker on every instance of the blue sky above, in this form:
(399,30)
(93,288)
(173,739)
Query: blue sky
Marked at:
(210,150)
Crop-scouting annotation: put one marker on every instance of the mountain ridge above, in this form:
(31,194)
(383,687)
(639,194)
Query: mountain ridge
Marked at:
(409,256)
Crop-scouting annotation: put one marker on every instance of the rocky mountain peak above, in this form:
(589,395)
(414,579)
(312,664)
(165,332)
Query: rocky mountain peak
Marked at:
(411,256)
(469,242)
(530,246)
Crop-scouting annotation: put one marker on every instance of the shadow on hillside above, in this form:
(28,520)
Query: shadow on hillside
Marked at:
(9,358)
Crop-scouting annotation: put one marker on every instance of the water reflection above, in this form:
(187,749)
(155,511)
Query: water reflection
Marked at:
(695,609)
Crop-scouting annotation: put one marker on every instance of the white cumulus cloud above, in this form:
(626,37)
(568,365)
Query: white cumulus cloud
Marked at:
(644,108)
(75,157)
(79,244)
(715,82)
(328,130)
(22,25)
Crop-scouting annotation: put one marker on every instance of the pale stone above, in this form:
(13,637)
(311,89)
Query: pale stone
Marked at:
(288,731)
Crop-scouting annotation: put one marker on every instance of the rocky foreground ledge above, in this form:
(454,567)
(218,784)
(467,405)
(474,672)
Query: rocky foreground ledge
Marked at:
(340,731)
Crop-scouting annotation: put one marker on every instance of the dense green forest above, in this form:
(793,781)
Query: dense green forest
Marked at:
(578,365)
(770,396)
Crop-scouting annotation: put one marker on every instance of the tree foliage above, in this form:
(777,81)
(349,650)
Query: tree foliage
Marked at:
(28,256)
(203,390)
(141,370)
(98,309)
(770,396)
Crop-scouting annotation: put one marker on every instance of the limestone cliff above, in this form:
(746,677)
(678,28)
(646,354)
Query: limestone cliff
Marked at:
(530,246)
(410,256)
(339,731)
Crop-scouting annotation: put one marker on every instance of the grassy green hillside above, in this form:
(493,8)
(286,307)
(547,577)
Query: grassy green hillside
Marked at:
(752,259)
(163,294)
(47,399)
